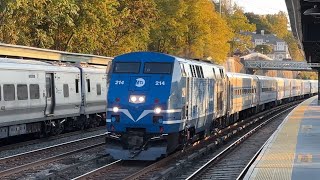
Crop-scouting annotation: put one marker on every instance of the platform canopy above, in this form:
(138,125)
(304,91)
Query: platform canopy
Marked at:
(305,24)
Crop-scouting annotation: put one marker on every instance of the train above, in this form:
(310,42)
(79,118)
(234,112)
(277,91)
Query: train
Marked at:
(46,98)
(159,103)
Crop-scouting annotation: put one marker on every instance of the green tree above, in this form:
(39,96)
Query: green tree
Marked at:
(264,49)
(239,23)
(132,28)
(93,26)
(39,23)
(168,33)
(113,27)
(105,27)
(260,21)
(278,24)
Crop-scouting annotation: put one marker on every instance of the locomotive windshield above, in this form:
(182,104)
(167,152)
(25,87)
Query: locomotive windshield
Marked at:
(126,67)
(157,68)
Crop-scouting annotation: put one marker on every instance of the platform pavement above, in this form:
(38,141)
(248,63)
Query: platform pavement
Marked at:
(293,151)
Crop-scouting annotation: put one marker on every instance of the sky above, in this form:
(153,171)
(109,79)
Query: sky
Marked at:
(262,6)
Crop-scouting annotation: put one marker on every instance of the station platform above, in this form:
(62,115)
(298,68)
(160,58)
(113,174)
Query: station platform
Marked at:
(293,151)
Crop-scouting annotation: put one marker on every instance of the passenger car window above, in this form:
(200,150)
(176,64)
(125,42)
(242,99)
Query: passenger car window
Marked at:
(77,85)
(157,68)
(183,71)
(98,89)
(126,67)
(66,90)
(48,87)
(88,85)
(9,92)
(22,91)
(214,73)
(192,71)
(34,91)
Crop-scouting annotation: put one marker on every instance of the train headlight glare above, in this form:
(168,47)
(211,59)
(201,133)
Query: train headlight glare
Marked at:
(157,110)
(141,99)
(133,98)
(115,109)
(137,99)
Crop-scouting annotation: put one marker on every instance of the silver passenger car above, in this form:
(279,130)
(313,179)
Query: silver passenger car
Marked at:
(40,97)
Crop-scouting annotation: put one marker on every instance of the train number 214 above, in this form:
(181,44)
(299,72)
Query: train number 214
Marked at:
(160,83)
(119,82)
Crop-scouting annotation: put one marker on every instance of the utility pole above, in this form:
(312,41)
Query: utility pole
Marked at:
(220,8)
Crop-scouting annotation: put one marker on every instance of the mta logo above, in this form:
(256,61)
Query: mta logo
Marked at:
(140,82)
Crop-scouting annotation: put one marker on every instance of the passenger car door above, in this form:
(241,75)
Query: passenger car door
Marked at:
(50,98)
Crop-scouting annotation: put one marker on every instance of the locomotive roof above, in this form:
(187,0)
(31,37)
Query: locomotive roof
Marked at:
(154,55)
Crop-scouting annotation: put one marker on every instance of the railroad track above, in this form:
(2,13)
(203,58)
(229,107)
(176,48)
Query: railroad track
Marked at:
(9,146)
(116,170)
(230,162)
(174,165)
(28,160)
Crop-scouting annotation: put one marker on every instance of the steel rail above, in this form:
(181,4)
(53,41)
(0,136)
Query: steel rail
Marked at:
(50,147)
(89,174)
(47,139)
(23,167)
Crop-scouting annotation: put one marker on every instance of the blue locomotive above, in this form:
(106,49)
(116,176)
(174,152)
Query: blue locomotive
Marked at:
(158,103)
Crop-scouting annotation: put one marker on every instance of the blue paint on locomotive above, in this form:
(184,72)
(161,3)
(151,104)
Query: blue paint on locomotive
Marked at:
(156,90)
(135,129)
(144,105)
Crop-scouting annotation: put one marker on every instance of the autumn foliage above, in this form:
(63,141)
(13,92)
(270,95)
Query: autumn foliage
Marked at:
(186,28)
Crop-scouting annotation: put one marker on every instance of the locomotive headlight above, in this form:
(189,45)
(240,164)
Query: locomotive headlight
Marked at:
(141,99)
(157,110)
(137,99)
(133,99)
(115,109)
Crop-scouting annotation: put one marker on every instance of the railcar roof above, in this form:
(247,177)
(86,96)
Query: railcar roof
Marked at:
(8,63)
(98,70)
(241,75)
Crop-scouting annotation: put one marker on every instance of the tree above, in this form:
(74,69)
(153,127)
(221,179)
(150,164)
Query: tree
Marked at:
(239,23)
(264,49)
(295,52)
(278,24)
(113,27)
(308,75)
(260,22)
(168,33)
(190,29)
(39,23)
